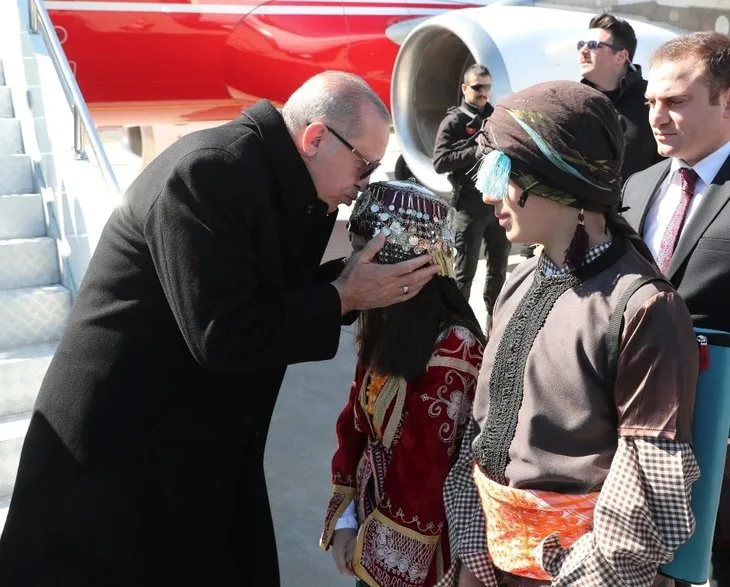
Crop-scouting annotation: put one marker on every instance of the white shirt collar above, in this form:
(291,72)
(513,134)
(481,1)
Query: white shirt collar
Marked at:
(708,167)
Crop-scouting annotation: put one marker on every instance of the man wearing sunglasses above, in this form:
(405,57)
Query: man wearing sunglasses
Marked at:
(475,222)
(605,60)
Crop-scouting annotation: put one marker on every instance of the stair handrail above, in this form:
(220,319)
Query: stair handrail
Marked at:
(40,22)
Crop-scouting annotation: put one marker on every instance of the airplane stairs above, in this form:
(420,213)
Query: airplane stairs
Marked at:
(34,306)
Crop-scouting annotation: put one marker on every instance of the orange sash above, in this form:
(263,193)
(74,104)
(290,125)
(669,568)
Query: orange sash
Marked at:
(518,520)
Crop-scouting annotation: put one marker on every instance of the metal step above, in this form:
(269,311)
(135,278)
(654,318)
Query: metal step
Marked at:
(28,262)
(26,42)
(21,216)
(21,374)
(31,316)
(6,103)
(32,71)
(11,139)
(35,101)
(4,504)
(16,174)
(12,435)
(41,134)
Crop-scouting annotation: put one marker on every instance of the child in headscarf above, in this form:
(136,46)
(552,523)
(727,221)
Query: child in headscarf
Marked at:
(580,469)
(401,429)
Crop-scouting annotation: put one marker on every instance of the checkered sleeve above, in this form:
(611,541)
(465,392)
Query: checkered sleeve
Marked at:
(642,516)
(465,519)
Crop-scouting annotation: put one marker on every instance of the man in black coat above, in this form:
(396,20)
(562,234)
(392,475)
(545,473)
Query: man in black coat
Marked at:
(605,60)
(143,463)
(475,222)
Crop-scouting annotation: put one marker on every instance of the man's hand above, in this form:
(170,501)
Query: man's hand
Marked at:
(365,284)
(343,548)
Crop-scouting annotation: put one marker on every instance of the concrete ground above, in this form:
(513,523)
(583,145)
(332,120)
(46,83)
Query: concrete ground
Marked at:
(302,437)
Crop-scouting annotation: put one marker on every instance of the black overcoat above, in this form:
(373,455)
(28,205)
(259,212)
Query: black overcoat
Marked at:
(143,463)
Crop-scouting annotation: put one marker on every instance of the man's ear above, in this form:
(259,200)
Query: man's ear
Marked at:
(625,53)
(725,101)
(312,138)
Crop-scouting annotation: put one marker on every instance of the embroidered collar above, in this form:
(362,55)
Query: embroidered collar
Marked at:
(547,268)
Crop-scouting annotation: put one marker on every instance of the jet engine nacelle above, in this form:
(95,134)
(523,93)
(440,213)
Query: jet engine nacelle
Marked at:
(521,46)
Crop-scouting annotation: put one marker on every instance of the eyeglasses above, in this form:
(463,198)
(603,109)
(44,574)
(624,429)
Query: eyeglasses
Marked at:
(481,87)
(370,166)
(595,45)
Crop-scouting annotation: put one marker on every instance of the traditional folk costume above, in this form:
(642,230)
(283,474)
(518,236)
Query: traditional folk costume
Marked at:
(397,439)
(576,474)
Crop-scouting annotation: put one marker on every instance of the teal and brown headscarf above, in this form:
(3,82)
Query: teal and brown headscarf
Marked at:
(560,140)
(563,141)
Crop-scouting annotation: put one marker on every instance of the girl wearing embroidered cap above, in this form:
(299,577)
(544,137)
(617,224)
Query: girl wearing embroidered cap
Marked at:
(567,451)
(408,405)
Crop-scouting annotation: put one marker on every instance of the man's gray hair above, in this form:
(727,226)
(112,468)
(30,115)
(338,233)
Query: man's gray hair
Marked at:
(335,98)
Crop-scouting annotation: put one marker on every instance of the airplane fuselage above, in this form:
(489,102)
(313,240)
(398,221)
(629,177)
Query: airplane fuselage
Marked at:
(142,62)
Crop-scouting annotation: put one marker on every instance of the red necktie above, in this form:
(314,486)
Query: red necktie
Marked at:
(671,236)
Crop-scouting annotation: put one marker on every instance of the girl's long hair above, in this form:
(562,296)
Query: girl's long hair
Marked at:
(400,339)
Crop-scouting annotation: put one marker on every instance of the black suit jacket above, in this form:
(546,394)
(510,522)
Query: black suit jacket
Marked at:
(143,462)
(700,266)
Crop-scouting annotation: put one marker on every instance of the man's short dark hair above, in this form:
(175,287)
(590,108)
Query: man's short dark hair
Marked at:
(621,31)
(709,50)
(477,70)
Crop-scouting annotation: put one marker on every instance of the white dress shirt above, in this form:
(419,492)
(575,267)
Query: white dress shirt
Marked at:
(348,518)
(669,194)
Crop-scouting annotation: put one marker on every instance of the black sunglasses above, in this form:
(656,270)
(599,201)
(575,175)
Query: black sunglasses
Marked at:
(594,45)
(370,166)
(480,87)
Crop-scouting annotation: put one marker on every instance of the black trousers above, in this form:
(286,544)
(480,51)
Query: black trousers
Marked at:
(721,566)
(474,224)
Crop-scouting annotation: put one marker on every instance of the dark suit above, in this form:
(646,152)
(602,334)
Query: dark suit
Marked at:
(700,271)
(143,463)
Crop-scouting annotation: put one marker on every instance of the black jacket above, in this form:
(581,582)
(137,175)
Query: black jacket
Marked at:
(641,148)
(449,156)
(143,462)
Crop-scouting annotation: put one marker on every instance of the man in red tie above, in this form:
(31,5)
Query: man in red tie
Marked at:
(681,206)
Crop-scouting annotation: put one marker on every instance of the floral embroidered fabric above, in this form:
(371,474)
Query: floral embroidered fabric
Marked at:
(392,460)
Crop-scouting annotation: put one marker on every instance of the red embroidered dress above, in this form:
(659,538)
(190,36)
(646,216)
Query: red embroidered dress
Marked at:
(396,443)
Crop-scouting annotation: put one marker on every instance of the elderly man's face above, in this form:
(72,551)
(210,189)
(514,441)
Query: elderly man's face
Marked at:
(686,123)
(335,169)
